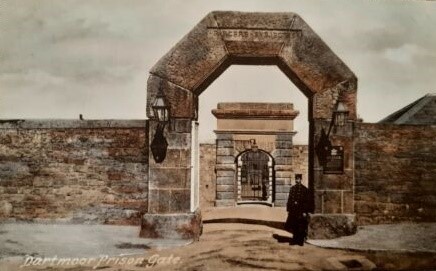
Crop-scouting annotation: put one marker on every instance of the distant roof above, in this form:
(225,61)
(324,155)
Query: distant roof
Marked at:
(421,111)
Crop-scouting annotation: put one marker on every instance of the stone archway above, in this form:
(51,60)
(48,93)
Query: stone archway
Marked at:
(227,38)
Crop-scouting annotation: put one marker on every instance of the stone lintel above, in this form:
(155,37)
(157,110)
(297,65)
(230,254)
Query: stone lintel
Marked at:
(255,132)
(283,114)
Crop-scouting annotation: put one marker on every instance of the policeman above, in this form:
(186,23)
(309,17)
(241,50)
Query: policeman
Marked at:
(298,207)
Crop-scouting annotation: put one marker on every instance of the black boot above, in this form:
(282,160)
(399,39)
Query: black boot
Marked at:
(293,242)
(298,240)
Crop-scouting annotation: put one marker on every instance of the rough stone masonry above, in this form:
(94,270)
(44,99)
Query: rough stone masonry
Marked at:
(395,173)
(74,170)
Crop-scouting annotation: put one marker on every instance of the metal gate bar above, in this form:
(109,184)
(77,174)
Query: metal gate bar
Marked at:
(254,176)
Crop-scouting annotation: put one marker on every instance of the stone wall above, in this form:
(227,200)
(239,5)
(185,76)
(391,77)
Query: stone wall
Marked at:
(74,171)
(395,173)
(207,175)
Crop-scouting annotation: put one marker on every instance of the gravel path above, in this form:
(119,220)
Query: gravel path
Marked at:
(48,240)
(229,246)
(413,237)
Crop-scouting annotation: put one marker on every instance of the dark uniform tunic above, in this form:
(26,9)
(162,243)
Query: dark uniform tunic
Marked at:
(298,205)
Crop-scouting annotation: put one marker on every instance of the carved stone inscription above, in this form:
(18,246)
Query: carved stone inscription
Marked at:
(272,35)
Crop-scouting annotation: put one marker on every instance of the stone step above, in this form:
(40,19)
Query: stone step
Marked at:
(247,214)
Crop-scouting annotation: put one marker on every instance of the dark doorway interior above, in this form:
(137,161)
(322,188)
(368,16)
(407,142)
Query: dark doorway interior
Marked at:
(255,176)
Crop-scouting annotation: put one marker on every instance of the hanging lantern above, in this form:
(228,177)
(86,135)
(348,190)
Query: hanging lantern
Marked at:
(159,144)
(160,108)
(340,114)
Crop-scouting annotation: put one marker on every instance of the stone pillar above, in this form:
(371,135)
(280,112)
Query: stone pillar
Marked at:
(169,214)
(195,168)
(270,181)
(283,167)
(225,170)
(239,180)
(333,193)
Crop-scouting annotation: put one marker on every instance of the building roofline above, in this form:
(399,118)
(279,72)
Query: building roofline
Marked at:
(403,115)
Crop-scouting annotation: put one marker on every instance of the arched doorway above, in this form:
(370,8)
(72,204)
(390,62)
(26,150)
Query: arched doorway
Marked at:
(255,177)
(222,39)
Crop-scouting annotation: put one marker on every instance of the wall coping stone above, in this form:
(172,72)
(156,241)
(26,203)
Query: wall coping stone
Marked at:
(70,123)
(362,126)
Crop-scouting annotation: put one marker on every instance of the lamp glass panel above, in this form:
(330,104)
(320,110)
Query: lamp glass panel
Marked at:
(160,109)
(159,102)
(340,119)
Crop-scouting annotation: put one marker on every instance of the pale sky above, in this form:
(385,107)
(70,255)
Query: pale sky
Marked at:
(59,59)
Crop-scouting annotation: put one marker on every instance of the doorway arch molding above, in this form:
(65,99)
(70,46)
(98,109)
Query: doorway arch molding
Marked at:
(225,38)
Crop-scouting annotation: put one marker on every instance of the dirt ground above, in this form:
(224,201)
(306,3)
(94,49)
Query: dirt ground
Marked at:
(240,247)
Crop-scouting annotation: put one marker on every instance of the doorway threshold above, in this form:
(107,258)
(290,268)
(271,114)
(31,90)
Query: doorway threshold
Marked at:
(255,202)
